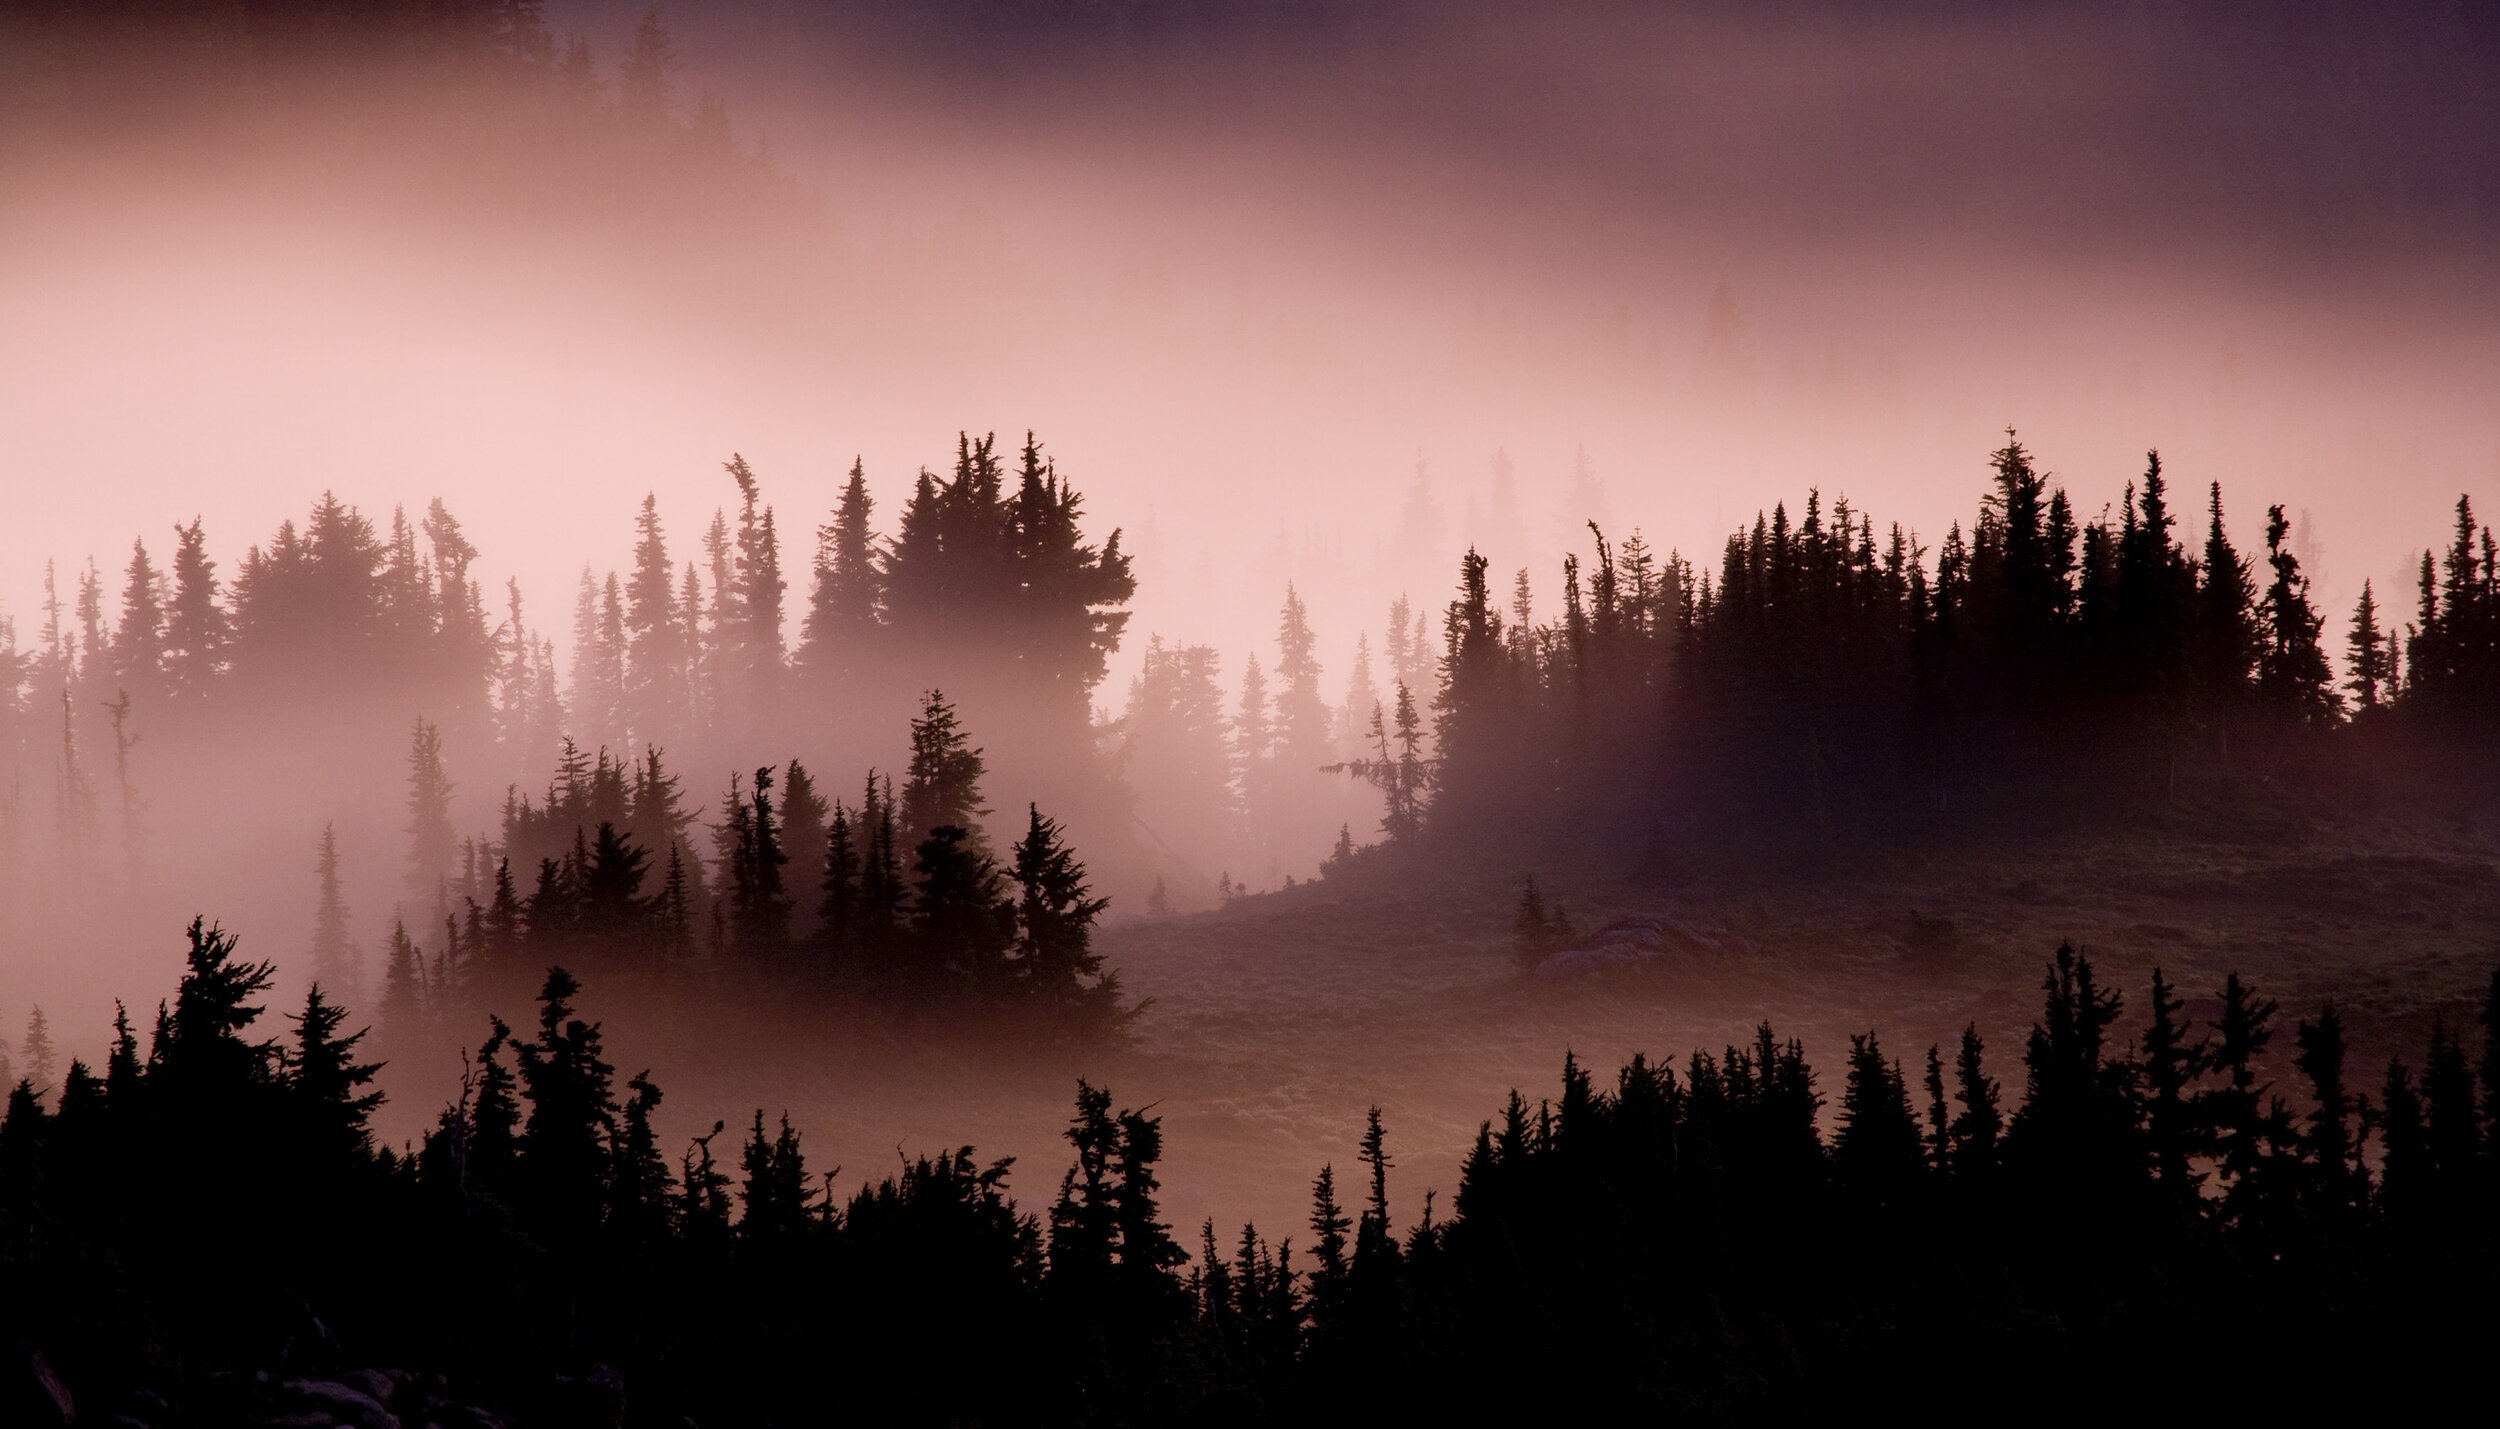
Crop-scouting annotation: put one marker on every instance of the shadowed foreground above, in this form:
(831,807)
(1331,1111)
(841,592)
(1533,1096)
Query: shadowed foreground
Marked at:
(206,1234)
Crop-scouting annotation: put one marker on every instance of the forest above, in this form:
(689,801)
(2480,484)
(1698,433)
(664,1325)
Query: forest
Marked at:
(1719,1240)
(916,790)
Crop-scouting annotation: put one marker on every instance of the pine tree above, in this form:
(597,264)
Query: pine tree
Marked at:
(36,1054)
(2293,678)
(565,1141)
(838,640)
(2170,1063)
(943,786)
(639,1210)
(642,77)
(334,957)
(774,1195)
(327,1082)
(139,639)
(2369,659)
(195,619)
(2226,641)
(403,991)
(1978,1124)
(2340,1181)
(1877,1151)
(802,837)
(1056,914)
(655,653)
(431,843)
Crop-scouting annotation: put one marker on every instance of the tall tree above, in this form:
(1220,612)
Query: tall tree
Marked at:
(943,786)
(334,955)
(431,842)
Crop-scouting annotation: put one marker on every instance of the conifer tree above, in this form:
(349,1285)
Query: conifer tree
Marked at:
(838,640)
(639,1210)
(2234,1110)
(431,843)
(2170,1063)
(802,837)
(327,1082)
(36,1053)
(2369,659)
(655,647)
(1056,914)
(2340,1181)
(403,991)
(774,1196)
(1877,1151)
(139,638)
(1977,1125)
(334,955)
(942,788)
(2292,674)
(195,619)
(572,1114)
(2226,642)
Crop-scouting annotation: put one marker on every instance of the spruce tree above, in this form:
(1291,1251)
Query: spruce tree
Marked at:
(943,785)
(327,1083)
(195,619)
(1055,915)
(838,640)
(36,1054)
(334,957)
(2369,659)
(802,836)
(2293,678)
(572,1115)
(431,843)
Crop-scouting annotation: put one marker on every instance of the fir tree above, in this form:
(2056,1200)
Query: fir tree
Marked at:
(2369,659)
(431,843)
(334,957)
(943,786)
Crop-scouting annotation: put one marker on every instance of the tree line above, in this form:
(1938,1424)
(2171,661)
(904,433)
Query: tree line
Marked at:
(1705,1241)
(1830,677)
(896,901)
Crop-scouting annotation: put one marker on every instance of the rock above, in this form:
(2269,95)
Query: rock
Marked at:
(33,1395)
(344,1403)
(380,1385)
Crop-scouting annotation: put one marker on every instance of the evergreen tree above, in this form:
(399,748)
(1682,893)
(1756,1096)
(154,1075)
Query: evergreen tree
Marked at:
(1977,1125)
(838,639)
(642,77)
(655,646)
(802,837)
(2293,679)
(327,1082)
(403,991)
(139,639)
(2340,1181)
(774,1195)
(430,838)
(1056,914)
(1877,1151)
(639,1210)
(565,1142)
(2369,659)
(943,786)
(195,619)
(2226,634)
(334,953)
(36,1052)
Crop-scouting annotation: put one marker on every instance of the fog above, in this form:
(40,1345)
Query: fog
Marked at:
(1273,292)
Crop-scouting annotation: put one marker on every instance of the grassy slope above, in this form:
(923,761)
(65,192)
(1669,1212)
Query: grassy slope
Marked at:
(1276,1021)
